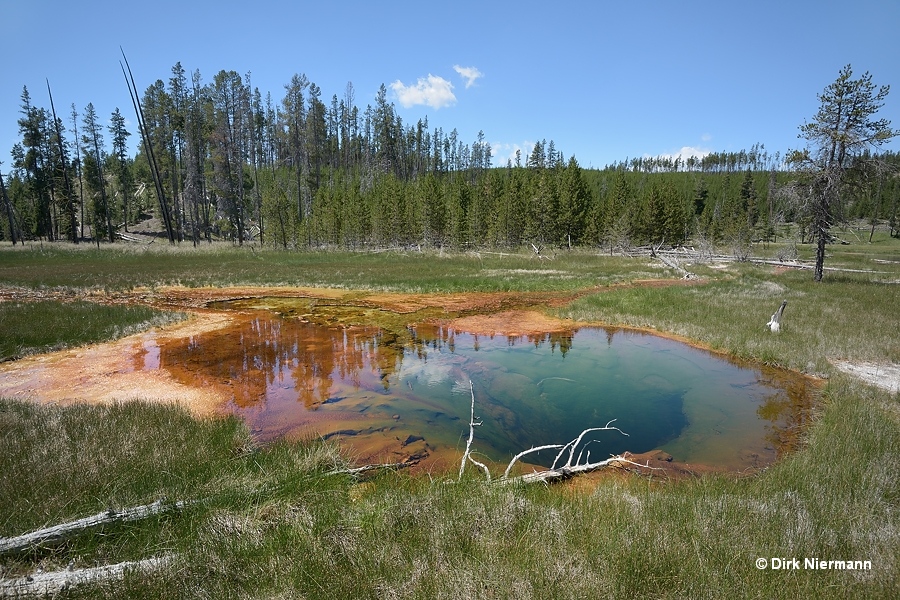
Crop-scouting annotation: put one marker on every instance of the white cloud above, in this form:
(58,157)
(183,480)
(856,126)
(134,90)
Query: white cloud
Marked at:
(470,74)
(432,91)
(685,153)
(501,153)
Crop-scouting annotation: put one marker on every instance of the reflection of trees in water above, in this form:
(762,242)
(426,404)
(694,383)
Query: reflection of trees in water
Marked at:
(268,352)
(438,337)
(788,411)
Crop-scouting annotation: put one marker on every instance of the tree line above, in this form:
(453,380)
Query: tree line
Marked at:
(218,160)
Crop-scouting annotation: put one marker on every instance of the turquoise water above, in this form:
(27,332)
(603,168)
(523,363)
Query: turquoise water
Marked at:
(372,388)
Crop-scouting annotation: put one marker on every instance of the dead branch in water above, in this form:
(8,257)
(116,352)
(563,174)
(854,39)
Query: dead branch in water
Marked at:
(467,455)
(573,466)
(64,530)
(563,473)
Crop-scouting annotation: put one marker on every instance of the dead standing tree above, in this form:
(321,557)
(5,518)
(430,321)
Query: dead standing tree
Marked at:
(63,166)
(14,232)
(774,323)
(165,214)
(843,127)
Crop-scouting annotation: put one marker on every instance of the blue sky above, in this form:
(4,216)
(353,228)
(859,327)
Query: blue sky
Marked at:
(604,80)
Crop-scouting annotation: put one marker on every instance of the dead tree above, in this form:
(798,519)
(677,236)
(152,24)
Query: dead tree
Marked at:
(62,531)
(148,147)
(10,214)
(41,585)
(672,263)
(557,472)
(64,167)
(774,323)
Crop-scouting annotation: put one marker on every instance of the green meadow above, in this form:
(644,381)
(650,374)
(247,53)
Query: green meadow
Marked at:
(277,521)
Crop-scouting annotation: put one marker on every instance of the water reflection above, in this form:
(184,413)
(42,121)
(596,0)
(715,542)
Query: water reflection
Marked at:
(403,389)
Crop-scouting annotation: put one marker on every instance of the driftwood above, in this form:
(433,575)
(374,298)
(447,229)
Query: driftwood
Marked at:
(134,238)
(774,323)
(42,584)
(671,262)
(538,252)
(557,472)
(573,466)
(354,471)
(563,473)
(467,455)
(59,532)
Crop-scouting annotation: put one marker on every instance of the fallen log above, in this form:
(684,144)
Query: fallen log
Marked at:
(354,471)
(672,263)
(59,532)
(563,473)
(53,582)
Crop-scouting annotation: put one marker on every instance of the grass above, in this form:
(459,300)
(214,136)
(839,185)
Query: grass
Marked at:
(268,522)
(66,267)
(847,316)
(32,327)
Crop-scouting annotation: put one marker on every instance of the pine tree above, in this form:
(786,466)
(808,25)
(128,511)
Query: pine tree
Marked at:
(121,166)
(844,126)
(92,141)
(574,199)
(33,128)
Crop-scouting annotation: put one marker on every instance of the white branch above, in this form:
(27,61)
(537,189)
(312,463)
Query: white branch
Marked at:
(523,453)
(487,471)
(551,475)
(58,532)
(42,584)
(573,444)
(472,425)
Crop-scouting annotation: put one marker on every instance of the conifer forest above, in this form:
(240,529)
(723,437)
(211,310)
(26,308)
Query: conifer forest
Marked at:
(218,160)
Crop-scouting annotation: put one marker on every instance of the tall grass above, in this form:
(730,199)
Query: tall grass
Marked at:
(121,268)
(30,327)
(271,522)
(847,316)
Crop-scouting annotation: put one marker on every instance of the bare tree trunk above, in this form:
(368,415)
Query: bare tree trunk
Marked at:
(151,156)
(9,211)
(64,530)
(49,584)
(821,239)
